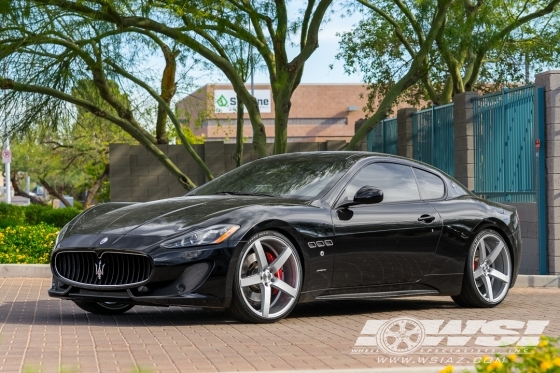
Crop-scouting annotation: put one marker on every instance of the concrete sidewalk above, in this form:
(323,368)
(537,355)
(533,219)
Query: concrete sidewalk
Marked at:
(44,271)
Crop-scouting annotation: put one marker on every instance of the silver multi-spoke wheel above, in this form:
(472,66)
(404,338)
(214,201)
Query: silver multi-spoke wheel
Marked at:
(269,277)
(488,271)
(491,267)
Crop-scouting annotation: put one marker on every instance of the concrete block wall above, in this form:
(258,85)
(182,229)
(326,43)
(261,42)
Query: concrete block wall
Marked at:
(464,138)
(528,215)
(404,132)
(137,176)
(550,80)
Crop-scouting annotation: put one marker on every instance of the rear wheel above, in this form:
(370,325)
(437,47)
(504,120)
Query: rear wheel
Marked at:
(268,279)
(488,272)
(103,308)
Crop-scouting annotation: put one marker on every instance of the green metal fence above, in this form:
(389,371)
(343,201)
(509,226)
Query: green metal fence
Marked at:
(383,138)
(433,139)
(504,153)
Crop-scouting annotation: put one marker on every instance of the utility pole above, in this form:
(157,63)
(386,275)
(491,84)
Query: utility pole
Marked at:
(7,170)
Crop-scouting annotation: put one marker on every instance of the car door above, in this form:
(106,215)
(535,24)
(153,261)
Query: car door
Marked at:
(389,242)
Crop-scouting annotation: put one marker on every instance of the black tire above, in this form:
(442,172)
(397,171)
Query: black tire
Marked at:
(471,294)
(240,307)
(101,308)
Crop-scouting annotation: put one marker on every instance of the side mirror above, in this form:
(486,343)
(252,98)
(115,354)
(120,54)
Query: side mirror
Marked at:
(368,195)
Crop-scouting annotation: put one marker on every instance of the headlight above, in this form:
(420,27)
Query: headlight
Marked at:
(206,236)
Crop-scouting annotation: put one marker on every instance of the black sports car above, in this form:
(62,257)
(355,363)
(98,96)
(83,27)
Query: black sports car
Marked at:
(293,228)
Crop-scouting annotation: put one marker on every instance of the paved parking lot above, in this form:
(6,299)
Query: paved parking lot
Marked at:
(44,334)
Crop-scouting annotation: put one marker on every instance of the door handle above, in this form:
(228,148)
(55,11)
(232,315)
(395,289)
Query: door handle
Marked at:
(426,218)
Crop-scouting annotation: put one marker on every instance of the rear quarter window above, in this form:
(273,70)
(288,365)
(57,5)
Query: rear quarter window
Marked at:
(430,185)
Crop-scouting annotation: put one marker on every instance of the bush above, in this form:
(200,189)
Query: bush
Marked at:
(27,244)
(11,215)
(58,217)
(543,358)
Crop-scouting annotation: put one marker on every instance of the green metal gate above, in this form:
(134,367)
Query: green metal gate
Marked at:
(383,138)
(433,139)
(504,153)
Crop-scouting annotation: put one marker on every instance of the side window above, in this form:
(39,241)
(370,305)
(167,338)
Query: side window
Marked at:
(396,181)
(431,186)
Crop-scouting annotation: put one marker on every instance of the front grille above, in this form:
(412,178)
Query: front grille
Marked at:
(109,269)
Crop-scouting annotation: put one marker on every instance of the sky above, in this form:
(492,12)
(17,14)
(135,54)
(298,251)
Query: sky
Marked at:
(317,68)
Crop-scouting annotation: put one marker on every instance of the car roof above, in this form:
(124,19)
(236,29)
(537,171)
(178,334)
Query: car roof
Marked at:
(354,157)
(340,156)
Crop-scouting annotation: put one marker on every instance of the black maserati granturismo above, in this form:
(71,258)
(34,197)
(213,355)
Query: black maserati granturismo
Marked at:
(293,228)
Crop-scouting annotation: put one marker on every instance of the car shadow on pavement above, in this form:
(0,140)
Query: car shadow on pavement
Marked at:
(56,312)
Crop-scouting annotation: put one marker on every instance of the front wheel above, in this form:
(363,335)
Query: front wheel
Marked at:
(488,272)
(267,280)
(103,308)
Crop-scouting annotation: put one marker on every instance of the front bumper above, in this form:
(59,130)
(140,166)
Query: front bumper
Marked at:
(128,297)
(176,280)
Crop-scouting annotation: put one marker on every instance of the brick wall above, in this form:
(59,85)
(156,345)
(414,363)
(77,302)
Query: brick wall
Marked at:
(309,101)
(137,176)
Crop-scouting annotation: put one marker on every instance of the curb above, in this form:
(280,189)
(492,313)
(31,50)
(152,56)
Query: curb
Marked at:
(25,270)
(44,271)
(538,281)
(417,369)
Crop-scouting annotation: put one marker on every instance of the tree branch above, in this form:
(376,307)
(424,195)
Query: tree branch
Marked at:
(8,84)
(54,192)
(169,112)
(485,47)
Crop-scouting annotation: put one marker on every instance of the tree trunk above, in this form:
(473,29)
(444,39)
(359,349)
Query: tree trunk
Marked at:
(54,192)
(168,89)
(282,105)
(259,133)
(19,192)
(238,155)
(95,187)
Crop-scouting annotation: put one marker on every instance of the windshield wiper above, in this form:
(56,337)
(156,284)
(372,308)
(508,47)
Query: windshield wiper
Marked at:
(247,194)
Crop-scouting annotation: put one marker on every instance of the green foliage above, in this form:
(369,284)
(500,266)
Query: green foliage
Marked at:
(12,215)
(544,358)
(484,46)
(27,244)
(55,217)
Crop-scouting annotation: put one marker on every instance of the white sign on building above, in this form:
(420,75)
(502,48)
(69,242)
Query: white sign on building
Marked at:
(225,101)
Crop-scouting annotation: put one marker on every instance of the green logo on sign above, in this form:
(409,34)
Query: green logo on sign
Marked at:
(222,101)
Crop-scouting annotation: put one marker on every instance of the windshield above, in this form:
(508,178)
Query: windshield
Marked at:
(293,176)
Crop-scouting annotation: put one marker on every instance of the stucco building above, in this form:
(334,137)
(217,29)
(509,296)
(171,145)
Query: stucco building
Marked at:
(319,112)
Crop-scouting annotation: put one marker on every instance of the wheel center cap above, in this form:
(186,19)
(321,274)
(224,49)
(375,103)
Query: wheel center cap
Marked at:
(266,277)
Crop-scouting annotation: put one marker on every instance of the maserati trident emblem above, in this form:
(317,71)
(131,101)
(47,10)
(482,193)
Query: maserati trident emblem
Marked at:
(103,241)
(99,269)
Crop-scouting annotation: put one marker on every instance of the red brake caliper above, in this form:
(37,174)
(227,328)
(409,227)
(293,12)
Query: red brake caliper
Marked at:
(270,258)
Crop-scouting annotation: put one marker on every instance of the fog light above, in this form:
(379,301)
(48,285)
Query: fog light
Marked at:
(180,288)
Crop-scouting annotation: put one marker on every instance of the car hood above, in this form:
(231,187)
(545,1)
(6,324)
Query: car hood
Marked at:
(169,216)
